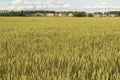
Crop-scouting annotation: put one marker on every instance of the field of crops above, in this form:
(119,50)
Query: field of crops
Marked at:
(35,48)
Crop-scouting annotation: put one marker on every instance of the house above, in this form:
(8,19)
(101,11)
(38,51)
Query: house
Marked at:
(40,14)
(98,15)
(104,15)
(31,14)
(70,14)
(113,15)
(63,14)
(50,14)
(56,14)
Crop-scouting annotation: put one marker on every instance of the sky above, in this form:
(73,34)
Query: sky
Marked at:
(60,5)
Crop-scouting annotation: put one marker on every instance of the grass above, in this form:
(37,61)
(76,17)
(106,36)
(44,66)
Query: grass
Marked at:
(35,48)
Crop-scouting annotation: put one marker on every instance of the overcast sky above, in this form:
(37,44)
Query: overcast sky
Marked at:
(59,5)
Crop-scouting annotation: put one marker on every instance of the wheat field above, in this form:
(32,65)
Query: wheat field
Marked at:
(59,48)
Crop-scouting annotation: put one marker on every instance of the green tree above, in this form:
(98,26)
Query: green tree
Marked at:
(79,14)
(90,15)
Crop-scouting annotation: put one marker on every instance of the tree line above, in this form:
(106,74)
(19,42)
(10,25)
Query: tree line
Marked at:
(75,14)
(22,12)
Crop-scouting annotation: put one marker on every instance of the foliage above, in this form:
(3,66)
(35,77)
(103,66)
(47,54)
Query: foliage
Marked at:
(90,15)
(79,14)
(98,13)
(33,12)
(12,13)
(57,48)
(117,13)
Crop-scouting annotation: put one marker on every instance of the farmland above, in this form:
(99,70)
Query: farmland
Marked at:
(59,48)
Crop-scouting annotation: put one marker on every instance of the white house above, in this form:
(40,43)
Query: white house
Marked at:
(70,14)
(62,14)
(50,14)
